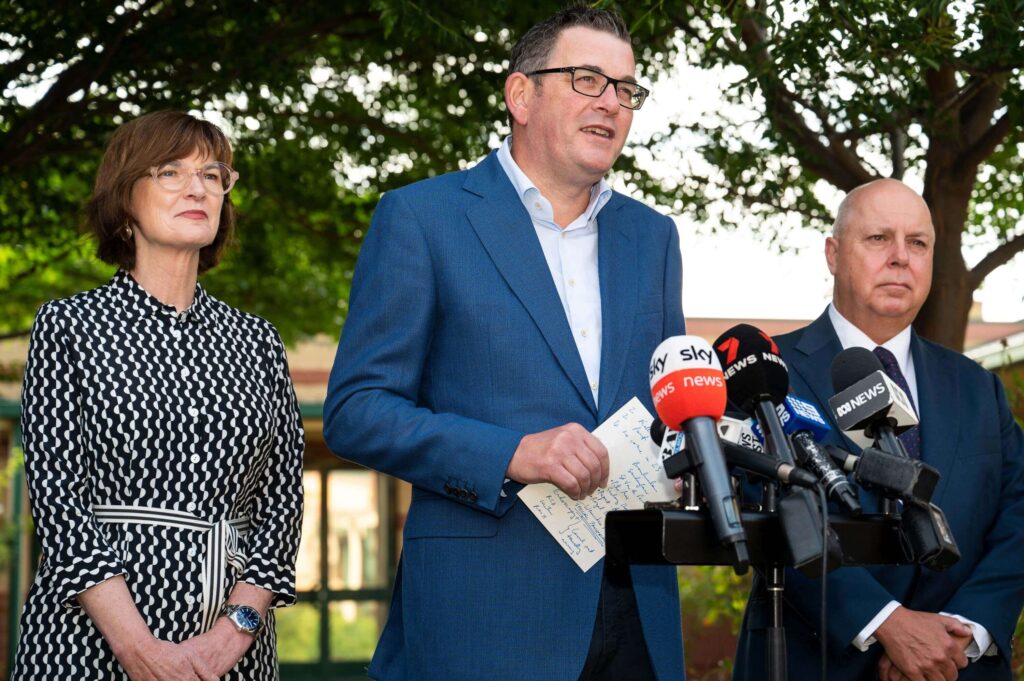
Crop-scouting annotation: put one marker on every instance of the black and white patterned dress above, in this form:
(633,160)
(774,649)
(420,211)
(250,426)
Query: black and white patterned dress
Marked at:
(163,447)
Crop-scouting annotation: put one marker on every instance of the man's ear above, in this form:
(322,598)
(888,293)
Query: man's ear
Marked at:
(831,251)
(518,90)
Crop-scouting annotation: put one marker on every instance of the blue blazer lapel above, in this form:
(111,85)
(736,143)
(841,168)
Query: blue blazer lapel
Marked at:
(506,232)
(617,267)
(937,385)
(812,362)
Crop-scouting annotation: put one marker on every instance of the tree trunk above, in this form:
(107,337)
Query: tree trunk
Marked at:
(943,318)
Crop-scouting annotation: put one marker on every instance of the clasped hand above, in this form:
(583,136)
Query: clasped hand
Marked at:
(922,646)
(206,657)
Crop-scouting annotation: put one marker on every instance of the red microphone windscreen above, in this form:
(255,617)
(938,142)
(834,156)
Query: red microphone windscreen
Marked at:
(686,381)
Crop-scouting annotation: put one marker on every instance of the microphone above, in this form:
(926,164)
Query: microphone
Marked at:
(868,405)
(741,449)
(804,424)
(888,474)
(735,436)
(757,379)
(689,395)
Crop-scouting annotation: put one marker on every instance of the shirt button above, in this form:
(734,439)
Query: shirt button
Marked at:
(572,282)
(563,235)
(193,412)
(194,458)
(536,204)
(583,332)
(593,386)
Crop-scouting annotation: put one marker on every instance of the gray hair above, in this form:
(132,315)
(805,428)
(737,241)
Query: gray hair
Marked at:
(533,49)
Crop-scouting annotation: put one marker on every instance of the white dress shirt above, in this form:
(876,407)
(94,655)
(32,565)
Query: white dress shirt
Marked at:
(899,345)
(571,254)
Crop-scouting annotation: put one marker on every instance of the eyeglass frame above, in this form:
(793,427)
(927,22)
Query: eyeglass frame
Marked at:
(608,80)
(232,174)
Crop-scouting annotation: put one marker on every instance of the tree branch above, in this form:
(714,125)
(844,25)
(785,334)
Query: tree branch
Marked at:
(1001,255)
(836,163)
(970,158)
(976,114)
(898,143)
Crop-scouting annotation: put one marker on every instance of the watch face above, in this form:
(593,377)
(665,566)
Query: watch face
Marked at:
(247,618)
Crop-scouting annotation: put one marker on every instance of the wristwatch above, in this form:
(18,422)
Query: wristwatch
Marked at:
(245,618)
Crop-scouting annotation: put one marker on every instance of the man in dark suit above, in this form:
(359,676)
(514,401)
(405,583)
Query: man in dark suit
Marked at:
(897,623)
(497,316)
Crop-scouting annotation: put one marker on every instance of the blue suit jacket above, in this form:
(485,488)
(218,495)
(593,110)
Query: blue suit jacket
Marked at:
(455,347)
(969,434)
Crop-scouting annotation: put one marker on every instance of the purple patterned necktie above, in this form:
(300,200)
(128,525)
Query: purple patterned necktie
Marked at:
(910,438)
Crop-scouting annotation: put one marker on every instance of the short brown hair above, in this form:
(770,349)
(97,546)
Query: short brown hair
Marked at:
(531,52)
(136,146)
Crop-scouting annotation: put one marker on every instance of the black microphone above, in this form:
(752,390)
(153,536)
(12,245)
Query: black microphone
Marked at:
(888,474)
(735,432)
(689,395)
(804,424)
(757,380)
(731,432)
(868,405)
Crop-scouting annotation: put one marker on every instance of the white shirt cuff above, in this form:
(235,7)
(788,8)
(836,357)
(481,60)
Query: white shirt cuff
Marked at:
(866,637)
(982,639)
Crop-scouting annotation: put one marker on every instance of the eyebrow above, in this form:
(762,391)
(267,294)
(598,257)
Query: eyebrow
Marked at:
(592,67)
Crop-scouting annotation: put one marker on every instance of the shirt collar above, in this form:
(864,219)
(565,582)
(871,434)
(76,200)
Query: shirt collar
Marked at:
(138,301)
(600,192)
(852,337)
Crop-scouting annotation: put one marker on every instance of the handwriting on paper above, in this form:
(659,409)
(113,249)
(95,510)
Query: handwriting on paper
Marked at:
(635,475)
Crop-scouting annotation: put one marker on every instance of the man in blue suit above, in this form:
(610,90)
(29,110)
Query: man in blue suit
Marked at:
(897,623)
(497,316)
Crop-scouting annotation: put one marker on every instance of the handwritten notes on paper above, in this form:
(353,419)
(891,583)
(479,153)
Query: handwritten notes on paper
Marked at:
(635,475)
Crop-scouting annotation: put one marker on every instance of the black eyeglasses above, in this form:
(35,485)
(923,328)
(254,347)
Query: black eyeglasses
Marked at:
(592,83)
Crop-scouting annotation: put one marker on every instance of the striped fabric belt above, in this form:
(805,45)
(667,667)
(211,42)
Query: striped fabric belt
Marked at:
(222,545)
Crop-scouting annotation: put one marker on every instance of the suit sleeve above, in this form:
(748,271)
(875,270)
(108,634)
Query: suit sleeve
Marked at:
(847,615)
(77,553)
(371,414)
(994,593)
(673,293)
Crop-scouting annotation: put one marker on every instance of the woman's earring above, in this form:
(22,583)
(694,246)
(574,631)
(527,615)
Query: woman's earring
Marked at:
(126,231)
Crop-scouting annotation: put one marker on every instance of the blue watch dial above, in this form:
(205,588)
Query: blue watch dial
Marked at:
(247,618)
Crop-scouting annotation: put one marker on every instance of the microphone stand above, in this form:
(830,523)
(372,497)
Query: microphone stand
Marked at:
(775,576)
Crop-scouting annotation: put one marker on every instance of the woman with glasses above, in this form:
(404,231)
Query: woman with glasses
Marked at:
(163,446)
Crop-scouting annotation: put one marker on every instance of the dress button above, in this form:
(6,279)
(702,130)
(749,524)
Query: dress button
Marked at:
(176,333)
(190,599)
(191,506)
(193,412)
(185,372)
(191,552)
(194,458)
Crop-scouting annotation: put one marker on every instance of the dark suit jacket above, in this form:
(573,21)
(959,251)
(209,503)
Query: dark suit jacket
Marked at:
(969,434)
(456,346)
